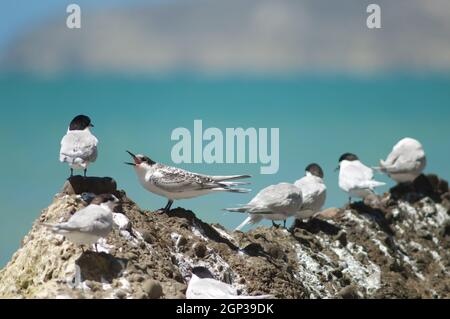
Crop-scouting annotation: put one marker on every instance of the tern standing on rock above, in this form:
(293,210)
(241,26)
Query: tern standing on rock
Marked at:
(355,178)
(314,191)
(406,161)
(275,202)
(89,224)
(175,183)
(203,286)
(79,145)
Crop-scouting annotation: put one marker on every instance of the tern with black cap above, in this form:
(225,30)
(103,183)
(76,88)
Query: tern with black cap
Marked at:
(79,145)
(355,178)
(314,191)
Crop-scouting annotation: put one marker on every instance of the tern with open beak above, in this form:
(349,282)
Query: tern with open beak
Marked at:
(175,183)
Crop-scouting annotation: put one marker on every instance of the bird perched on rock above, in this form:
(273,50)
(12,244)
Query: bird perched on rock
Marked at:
(79,145)
(314,191)
(89,224)
(275,202)
(175,183)
(355,178)
(203,286)
(406,161)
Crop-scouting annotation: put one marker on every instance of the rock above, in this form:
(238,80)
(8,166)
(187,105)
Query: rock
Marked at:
(342,238)
(443,186)
(121,294)
(77,185)
(349,292)
(182,241)
(148,237)
(359,253)
(199,250)
(424,184)
(99,266)
(329,213)
(445,229)
(275,251)
(137,278)
(153,289)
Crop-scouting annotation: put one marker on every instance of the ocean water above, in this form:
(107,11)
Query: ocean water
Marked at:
(319,117)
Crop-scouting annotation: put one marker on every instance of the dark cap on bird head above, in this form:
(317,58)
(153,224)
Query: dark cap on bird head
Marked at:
(80,122)
(315,170)
(348,157)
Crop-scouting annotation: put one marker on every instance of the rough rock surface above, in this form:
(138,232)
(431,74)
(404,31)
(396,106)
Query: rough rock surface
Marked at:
(398,249)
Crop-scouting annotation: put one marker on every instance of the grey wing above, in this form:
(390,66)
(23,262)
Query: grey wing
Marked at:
(392,157)
(279,198)
(313,198)
(78,145)
(400,167)
(88,219)
(357,172)
(174,180)
(407,161)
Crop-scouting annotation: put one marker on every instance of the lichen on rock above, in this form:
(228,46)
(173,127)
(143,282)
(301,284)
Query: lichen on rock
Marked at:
(399,249)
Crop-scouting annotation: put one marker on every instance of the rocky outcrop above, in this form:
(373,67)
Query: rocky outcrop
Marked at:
(397,248)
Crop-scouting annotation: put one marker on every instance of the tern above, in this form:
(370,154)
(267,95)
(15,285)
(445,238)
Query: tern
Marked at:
(79,145)
(174,183)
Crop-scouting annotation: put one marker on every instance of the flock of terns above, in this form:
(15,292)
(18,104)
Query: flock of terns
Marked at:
(301,200)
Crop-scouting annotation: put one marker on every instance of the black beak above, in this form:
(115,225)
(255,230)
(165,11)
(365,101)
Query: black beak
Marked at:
(131,154)
(91,125)
(136,160)
(132,164)
(337,168)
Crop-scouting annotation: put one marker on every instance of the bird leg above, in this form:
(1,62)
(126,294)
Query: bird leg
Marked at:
(71,172)
(82,249)
(284,224)
(85,171)
(275,225)
(96,248)
(169,204)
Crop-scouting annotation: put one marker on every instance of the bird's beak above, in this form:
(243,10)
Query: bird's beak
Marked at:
(337,168)
(132,164)
(91,125)
(137,161)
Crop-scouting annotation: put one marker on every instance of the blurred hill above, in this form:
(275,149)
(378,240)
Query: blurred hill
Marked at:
(240,35)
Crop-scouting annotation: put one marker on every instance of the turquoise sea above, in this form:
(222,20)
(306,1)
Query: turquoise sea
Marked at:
(319,117)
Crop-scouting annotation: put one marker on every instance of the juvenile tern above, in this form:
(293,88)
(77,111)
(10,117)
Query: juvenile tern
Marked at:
(175,183)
